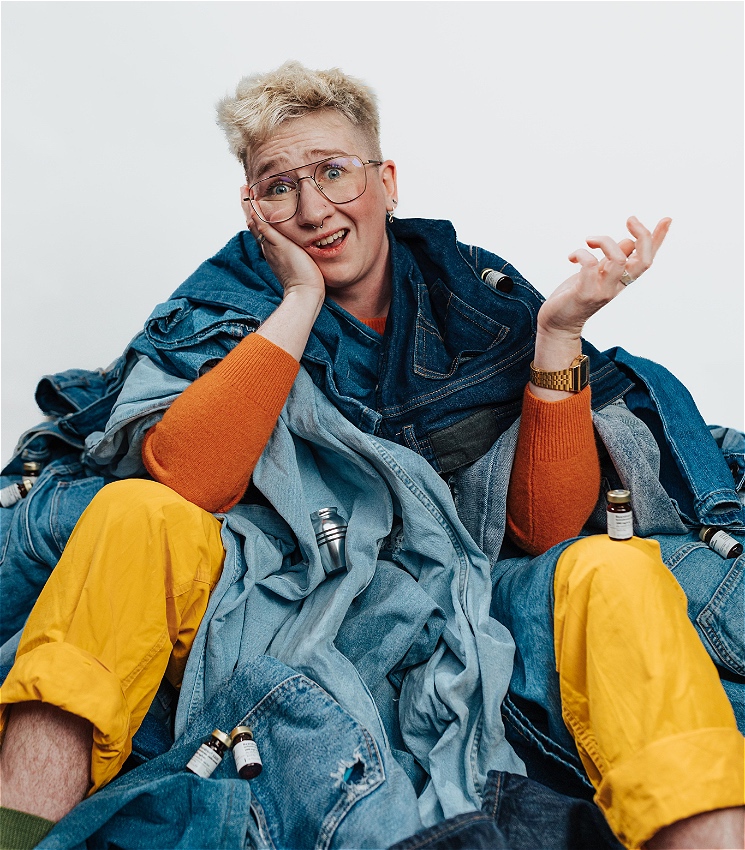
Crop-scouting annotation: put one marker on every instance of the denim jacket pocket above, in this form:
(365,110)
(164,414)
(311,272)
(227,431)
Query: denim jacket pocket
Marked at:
(449,332)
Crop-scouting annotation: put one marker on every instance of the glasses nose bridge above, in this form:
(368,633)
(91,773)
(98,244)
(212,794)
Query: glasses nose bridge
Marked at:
(312,178)
(314,183)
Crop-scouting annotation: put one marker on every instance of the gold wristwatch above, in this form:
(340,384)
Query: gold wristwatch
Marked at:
(571,380)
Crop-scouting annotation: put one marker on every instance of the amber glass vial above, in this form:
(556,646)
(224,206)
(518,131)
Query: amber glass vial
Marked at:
(619,514)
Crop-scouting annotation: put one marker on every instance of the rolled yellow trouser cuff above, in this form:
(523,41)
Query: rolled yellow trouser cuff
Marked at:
(655,783)
(72,679)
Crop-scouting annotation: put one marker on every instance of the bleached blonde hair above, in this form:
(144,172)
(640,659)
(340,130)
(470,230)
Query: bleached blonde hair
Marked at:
(263,102)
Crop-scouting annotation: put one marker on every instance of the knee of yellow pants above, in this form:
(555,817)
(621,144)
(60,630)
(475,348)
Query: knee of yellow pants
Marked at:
(146,511)
(125,599)
(617,564)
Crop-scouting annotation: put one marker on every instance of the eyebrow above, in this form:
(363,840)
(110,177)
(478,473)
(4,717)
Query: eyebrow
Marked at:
(317,154)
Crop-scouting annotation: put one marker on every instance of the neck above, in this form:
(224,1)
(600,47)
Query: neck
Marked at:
(365,299)
(365,305)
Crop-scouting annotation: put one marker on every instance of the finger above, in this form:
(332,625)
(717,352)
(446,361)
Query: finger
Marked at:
(643,245)
(659,233)
(584,258)
(610,248)
(627,246)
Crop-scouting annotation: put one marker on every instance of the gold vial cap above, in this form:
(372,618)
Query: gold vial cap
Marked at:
(222,737)
(618,497)
(241,730)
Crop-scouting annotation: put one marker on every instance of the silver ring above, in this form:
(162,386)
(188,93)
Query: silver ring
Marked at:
(626,278)
(260,238)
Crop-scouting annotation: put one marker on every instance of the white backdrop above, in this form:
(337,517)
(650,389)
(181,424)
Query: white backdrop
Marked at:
(566,117)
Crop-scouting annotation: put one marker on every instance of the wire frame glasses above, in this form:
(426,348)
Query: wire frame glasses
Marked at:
(340,179)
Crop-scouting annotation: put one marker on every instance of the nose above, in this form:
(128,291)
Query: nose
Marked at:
(313,206)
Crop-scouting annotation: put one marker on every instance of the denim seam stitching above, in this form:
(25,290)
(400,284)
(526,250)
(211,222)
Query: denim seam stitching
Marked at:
(706,621)
(438,832)
(344,804)
(680,554)
(457,386)
(430,506)
(258,710)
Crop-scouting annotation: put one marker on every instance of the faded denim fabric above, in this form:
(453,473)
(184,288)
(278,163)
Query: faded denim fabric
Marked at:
(693,470)
(325,784)
(450,660)
(76,402)
(35,531)
(403,640)
(715,589)
(146,395)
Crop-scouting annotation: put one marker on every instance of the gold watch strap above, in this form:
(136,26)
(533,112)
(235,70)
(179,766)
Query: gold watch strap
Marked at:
(571,380)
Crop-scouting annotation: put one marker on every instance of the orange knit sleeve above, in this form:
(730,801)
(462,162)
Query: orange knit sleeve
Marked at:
(209,440)
(555,478)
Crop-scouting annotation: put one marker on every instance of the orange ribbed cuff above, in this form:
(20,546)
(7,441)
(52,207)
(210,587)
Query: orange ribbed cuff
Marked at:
(559,429)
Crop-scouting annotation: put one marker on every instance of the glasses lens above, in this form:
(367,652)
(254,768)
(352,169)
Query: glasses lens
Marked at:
(275,198)
(341,178)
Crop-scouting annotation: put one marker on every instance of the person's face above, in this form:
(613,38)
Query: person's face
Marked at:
(359,252)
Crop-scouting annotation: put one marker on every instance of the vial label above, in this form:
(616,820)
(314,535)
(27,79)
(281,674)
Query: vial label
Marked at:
(246,754)
(10,495)
(204,761)
(722,543)
(620,526)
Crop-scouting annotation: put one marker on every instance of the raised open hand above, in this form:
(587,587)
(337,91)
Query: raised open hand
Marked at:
(599,280)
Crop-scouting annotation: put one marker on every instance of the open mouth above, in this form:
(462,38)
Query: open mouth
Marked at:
(331,239)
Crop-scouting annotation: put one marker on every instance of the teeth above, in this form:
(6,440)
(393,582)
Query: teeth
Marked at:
(329,239)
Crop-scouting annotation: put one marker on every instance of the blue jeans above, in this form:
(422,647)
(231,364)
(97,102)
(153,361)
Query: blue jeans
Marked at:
(519,814)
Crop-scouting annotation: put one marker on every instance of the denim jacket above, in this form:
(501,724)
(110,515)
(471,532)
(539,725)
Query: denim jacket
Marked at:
(445,379)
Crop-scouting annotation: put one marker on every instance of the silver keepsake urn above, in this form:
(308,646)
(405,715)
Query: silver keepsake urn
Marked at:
(331,532)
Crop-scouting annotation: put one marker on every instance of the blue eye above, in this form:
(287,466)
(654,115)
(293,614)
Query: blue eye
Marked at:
(333,171)
(276,188)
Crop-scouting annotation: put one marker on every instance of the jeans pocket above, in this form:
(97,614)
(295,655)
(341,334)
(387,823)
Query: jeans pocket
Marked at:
(722,621)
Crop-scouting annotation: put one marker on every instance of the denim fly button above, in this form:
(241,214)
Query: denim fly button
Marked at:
(331,532)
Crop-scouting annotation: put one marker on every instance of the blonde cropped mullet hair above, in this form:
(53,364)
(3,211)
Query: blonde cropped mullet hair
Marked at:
(263,102)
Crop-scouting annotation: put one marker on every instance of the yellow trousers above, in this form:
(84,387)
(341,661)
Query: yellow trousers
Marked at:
(653,726)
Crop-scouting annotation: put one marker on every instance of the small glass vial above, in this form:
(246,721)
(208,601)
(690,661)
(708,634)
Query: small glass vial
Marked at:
(209,755)
(721,542)
(619,514)
(246,753)
(20,489)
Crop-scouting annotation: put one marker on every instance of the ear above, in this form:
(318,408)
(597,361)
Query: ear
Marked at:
(387,173)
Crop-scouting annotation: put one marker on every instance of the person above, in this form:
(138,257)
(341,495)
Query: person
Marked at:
(402,329)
